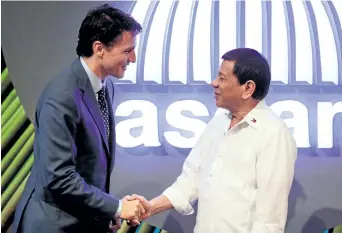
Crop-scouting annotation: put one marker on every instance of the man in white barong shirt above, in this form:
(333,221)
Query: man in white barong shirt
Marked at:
(241,168)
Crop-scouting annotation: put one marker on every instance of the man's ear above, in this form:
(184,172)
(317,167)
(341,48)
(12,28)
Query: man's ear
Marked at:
(98,49)
(249,90)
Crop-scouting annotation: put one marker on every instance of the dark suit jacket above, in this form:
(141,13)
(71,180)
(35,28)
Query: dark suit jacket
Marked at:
(68,187)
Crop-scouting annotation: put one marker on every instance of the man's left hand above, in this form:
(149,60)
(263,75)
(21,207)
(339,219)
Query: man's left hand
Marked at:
(113,228)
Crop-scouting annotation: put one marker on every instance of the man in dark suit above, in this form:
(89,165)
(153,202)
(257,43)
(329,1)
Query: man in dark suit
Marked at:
(75,136)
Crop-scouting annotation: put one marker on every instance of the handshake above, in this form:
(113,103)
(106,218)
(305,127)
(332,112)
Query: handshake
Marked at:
(134,209)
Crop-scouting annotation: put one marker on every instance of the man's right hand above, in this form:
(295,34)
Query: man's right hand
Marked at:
(131,210)
(146,204)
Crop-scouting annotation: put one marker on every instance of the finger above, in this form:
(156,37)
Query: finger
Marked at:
(142,199)
(137,211)
(144,216)
(114,228)
(142,209)
(138,214)
(128,198)
(133,223)
(138,197)
(118,222)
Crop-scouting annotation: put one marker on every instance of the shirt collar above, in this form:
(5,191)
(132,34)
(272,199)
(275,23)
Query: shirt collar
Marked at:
(254,117)
(95,81)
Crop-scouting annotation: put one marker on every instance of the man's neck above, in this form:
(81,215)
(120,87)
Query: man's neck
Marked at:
(241,111)
(94,66)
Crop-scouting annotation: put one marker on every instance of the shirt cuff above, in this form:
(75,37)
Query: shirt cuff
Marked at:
(118,212)
(178,202)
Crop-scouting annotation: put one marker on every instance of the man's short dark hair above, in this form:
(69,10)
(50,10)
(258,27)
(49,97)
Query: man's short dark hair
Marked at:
(105,24)
(251,65)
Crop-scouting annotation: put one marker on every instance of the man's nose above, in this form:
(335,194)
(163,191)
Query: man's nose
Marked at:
(214,83)
(132,57)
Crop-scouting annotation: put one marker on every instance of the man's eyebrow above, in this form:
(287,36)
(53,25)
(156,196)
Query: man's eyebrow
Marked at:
(222,74)
(130,48)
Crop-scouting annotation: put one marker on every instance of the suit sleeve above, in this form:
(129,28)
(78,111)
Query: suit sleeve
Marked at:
(56,130)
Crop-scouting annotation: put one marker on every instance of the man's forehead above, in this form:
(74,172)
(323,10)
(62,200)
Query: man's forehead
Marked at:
(226,67)
(126,38)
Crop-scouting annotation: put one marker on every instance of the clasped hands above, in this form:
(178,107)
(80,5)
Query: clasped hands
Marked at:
(134,209)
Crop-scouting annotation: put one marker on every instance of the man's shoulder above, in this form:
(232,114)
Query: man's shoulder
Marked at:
(61,87)
(273,124)
(66,78)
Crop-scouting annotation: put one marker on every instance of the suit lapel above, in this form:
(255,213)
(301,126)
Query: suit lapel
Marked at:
(90,100)
(112,138)
(94,109)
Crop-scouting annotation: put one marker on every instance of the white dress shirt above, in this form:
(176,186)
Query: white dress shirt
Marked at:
(97,84)
(95,81)
(241,176)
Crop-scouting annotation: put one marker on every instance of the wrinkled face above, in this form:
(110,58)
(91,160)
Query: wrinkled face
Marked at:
(117,57)
(229,93)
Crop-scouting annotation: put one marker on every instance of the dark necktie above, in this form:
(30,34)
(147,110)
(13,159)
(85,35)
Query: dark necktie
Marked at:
(101,97)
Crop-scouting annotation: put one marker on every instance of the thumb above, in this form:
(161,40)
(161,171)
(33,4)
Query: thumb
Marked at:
(128,198)
(141,199)
(144,203)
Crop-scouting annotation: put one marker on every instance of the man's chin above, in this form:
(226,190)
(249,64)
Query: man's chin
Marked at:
(218,104)
(119,76)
